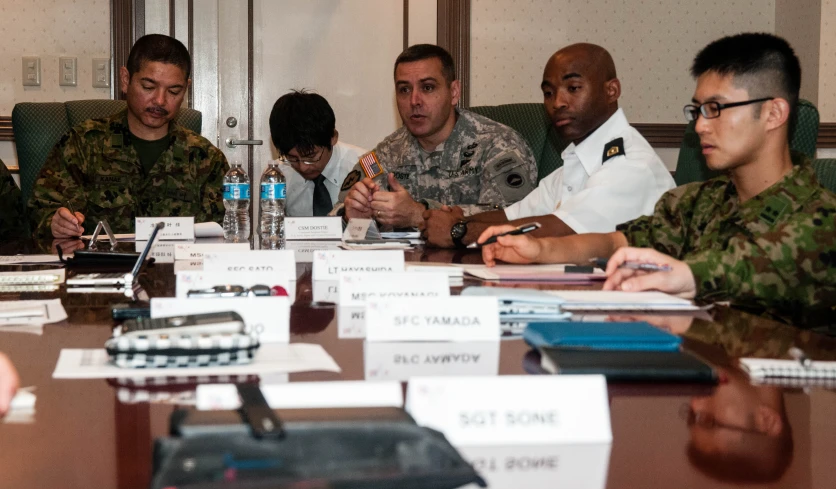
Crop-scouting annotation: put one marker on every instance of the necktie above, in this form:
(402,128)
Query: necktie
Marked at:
(321,198)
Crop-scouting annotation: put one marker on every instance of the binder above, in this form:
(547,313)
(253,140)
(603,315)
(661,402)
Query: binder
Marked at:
(637,336)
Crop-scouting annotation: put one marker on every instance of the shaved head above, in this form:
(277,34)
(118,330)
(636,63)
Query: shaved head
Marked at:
(580,89)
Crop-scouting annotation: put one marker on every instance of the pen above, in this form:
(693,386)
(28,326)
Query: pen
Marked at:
(522,229)
(647,267)
(72,211)
(802,358)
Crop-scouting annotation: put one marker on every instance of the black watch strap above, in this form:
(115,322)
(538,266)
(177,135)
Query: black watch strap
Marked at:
(457,240)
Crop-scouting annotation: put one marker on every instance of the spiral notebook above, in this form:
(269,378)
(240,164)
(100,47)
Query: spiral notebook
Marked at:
(766,368)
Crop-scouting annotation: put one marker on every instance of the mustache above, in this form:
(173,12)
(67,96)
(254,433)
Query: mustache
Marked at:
(157,110)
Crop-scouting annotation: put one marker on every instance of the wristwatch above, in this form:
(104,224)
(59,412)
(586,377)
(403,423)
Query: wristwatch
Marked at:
(458,232)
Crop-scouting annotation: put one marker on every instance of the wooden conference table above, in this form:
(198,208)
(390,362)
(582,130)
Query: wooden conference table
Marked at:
(84,436)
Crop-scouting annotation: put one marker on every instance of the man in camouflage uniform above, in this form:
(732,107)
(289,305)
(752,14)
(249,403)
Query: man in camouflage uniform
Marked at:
(761,235)
(12,224)
(138,162)
(441,155)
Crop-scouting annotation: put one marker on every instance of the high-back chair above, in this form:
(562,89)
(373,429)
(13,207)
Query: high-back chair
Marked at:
(39,125)
(691,167)
(531,121)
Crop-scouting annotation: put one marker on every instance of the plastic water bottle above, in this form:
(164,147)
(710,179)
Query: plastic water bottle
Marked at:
(236,190)
(273,194)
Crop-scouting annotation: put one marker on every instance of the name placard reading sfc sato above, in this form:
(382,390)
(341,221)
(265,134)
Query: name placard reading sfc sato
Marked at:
(513,410)
(444,319)
(313,228)
(175,228)
(328,264)
(274,261)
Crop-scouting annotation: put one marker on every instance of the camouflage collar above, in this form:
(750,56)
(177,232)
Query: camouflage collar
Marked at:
(785,197)
(120,119)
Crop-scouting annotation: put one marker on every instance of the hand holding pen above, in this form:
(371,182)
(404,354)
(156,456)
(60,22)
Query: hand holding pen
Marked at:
(67,223)
(640,269)
(521,229)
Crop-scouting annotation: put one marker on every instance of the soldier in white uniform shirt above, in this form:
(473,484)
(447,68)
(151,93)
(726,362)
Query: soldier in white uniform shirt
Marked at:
(610,174)
(314,163)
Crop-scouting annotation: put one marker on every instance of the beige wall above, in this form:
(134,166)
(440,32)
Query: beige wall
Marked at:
(798,21)
(652,42)
(827,62)
(49,29)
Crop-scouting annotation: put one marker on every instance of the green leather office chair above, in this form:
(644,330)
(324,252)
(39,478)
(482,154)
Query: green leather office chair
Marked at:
(691,167)
(38,126)
(826,171)
(531,121)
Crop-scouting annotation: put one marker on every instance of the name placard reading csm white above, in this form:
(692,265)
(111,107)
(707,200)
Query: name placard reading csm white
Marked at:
(195,251)
(445,319)
(274,261)
(329,264)
(268,317)
(175,227)
(313,227)
(513,410)
(357,288)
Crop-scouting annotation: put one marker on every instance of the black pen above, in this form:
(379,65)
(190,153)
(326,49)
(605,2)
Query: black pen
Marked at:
(522,229)
(647,267)
(72,211)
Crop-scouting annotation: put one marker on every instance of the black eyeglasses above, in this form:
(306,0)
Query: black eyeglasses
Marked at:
(711,110)
(306,161)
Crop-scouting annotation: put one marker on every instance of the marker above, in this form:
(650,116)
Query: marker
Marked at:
(522,229)
(633,265)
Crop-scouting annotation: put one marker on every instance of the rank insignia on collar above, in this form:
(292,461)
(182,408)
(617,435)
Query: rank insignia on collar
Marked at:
(116,140)
(612,149)
(774,208)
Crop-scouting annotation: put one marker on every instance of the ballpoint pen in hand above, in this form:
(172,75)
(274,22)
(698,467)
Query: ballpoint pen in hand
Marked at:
(633,265)
(522,229)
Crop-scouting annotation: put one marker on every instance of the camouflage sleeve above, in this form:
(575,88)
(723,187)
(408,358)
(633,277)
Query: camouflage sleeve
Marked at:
(59,181)
(664,230)
(780,272)
(211,206)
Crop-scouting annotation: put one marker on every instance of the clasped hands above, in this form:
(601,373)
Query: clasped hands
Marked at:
(678,281)
(395,207)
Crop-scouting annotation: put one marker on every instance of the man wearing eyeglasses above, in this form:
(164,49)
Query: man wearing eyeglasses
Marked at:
(313,161)
(760,236)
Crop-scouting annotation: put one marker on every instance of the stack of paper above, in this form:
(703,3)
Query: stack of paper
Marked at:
(30,316)
(611,300)
(22,408)
(455,273)
(534,273)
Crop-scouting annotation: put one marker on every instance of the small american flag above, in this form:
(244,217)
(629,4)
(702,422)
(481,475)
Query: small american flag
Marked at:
(371,166)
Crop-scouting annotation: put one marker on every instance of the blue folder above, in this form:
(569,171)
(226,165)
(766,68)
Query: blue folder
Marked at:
(634,336)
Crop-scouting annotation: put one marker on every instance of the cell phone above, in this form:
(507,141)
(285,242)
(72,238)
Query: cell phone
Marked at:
(228,322)
(130,311)
(219,291)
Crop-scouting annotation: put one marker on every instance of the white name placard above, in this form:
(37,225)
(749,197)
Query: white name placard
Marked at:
(188,265)
(581,466)
(326,291)
(195,251)
(313,228)
(445,319)
(357,288)
(274,261)
(161,252)
(268,317)
(199,280)
(303,251)
(175,228)
(329,264)
(361,229)
(307,395)
(406,359)
(513,410)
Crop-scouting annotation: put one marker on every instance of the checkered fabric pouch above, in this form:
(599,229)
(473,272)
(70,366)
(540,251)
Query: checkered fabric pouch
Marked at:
(181,351)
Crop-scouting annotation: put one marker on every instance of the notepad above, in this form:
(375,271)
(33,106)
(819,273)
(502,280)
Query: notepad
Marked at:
(531,273)
(612,300)
(767,368)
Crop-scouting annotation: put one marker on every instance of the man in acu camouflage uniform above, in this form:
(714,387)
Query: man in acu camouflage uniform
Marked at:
(138,162)
(441,155)
(761,235)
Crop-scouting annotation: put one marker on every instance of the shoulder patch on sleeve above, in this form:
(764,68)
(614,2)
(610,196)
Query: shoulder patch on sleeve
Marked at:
(350,179)
(612,149)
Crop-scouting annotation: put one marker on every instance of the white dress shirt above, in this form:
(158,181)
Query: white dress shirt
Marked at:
(299,201)
(594,196)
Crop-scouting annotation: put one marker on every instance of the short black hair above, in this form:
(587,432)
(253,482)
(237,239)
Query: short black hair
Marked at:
(301,120)
(157,47)
(420,52)
(764,64)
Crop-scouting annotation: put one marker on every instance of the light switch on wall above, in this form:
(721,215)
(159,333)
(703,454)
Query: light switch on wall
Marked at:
(68,72)
(31,71)
(101,72)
